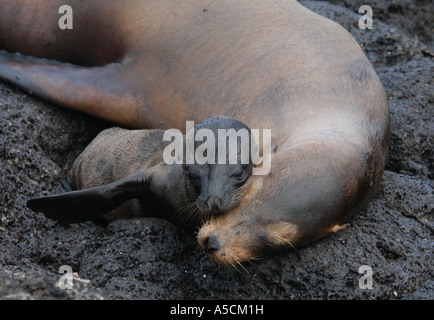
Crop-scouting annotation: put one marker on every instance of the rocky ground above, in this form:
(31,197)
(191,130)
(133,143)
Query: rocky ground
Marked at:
(153,259)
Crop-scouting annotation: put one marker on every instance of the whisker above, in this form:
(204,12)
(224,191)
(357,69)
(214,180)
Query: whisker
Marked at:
(285,240)
(257,258)
(241,190)
(235,204)
(192,213)
(181,210)
(239,194)
(235,267)
(239,263)
(228,269)
(257,265)
(202,223)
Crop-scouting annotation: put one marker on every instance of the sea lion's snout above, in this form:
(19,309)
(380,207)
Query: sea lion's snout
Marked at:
(211,244)
(228,247)
(236,237)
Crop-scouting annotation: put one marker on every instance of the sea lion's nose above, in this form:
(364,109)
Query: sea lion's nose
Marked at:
(211,244)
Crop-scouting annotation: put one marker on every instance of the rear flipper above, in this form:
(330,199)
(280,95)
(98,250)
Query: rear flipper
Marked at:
(98,91)
(88,204)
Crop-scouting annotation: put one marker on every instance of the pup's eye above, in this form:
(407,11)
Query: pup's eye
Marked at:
(238,175)
(195,179)
(192,176)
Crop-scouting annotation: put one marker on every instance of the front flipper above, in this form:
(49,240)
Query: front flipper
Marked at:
(103,91)
(88,204)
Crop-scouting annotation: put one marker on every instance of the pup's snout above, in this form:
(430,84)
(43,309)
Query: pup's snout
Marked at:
(210,204)
(213,203)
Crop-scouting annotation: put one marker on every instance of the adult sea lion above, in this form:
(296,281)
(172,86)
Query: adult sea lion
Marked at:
(122,165)
(271,64)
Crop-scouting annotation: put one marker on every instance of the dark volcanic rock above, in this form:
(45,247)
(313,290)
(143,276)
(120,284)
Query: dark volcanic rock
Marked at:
(153,259)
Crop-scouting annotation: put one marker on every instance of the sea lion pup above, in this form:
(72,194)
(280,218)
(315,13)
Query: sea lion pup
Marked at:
(122,165)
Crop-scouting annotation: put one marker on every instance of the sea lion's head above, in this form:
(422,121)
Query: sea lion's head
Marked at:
(222,164)
(254,229)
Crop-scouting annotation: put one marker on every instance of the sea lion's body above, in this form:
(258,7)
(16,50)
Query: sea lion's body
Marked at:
(273,65)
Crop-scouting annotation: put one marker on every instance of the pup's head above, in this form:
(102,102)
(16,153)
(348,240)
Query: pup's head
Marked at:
(222,163)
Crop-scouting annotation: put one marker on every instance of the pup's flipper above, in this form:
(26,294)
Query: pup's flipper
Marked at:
(87,204)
